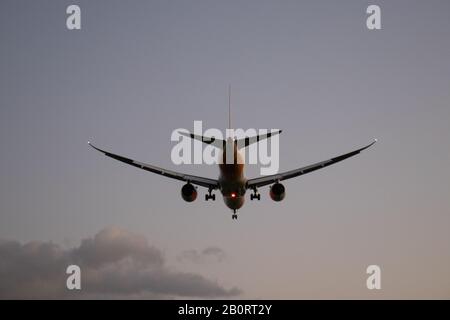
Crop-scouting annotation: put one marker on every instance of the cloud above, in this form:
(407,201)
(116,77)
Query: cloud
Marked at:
(114,264)
(114,244)
(208,254)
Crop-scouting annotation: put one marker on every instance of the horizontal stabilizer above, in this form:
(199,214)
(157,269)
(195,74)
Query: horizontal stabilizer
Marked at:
(241,143)
(219,143)
(245,142)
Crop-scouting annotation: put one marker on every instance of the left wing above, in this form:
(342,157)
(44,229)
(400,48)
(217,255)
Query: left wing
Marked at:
(204,182)
(263,181)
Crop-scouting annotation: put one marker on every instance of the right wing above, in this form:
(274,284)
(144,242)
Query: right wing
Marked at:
(263,181)
(204,182)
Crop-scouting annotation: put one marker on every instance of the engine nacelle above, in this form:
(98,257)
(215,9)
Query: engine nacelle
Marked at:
(188,192)
(277,192)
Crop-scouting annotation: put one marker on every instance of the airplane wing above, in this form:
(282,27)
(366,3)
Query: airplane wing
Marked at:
(263,181)
(204,182)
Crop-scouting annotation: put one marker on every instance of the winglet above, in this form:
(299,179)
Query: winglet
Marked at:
(90,144)
(369,145)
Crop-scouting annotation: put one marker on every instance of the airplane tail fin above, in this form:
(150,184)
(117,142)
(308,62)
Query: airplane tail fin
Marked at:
(241,143)
(229,106)
(219,143)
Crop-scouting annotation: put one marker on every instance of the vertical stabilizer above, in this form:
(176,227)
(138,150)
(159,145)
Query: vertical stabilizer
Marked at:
(229,106)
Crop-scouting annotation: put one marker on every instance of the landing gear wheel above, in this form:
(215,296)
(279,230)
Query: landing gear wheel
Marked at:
(210,196)
(234,216)
(255,195)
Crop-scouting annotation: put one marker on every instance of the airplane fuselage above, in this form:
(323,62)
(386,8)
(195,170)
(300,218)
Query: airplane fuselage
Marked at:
(232,180)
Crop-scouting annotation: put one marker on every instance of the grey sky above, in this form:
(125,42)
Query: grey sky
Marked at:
(138,70)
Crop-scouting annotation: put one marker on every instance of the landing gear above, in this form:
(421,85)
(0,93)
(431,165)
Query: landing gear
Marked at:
(210,196)
(255,195)
(234,216)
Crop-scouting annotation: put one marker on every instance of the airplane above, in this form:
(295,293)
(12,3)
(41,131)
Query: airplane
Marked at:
(232,182)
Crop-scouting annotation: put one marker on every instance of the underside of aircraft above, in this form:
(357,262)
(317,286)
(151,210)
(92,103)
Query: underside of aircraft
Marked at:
(231,181)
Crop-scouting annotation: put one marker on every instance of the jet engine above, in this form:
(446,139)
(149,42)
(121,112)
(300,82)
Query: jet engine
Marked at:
(277,192)
(189,192)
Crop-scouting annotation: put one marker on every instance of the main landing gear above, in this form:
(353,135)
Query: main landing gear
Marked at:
(255,195)
(234,216)
(210,196)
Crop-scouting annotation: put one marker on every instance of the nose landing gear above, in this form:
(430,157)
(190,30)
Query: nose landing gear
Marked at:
(234,216)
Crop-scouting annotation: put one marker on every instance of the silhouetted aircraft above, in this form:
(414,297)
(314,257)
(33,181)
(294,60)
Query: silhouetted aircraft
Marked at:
(231,182)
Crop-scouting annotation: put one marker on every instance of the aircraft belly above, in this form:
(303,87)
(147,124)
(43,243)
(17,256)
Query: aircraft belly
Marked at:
(234,203)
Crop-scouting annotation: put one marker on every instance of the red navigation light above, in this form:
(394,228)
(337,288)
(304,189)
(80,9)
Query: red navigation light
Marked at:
(233,194)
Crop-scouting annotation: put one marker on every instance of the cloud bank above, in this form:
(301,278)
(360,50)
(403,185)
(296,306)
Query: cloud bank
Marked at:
(114,264)
(209,254)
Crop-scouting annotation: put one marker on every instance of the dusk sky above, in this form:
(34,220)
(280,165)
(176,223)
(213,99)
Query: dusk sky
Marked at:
(137,70)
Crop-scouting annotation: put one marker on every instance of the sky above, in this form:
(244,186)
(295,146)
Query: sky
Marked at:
(138,70)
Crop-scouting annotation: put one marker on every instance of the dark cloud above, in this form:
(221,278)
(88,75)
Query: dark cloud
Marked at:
(206,255)
(114,264)
(114,244)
